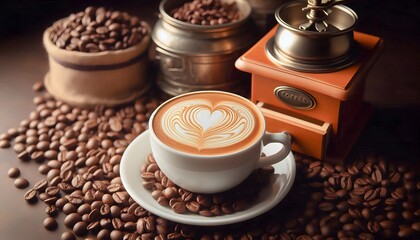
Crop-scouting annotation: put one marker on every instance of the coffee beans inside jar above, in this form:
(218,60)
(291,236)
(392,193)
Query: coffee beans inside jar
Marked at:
(98,29)
(207,12)
(369,198)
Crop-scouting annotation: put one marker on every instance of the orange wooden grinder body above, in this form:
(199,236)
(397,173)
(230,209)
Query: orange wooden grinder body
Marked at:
(328,130)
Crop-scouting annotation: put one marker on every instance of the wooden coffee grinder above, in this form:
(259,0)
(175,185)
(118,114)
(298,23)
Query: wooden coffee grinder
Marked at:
(308,76)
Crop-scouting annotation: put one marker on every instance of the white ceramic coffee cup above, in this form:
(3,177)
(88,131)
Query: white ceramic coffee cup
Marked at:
(218,172)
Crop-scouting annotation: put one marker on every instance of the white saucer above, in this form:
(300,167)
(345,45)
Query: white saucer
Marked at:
(135,155)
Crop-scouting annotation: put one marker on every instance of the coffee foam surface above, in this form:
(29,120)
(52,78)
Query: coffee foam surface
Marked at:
(207,123)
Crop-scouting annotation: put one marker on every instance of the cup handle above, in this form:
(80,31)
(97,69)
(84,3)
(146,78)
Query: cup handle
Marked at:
(282,137)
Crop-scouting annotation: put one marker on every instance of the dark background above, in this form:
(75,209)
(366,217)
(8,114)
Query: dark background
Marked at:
(393,80)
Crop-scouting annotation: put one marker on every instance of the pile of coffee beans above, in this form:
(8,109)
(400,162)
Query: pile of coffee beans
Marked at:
(79,151)
(98,29)
(367,199)
(207,12)
(166,193)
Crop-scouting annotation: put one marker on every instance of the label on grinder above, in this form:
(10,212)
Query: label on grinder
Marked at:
(295,98)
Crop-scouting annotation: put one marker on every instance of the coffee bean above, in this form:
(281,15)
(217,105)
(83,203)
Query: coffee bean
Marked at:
(130,226)
(148,176)
(326,206)
(71,219)
(69,208)
(52,190)
(193,206)
(76,199)
(373,226)
(92,161)
(112,188)
(150,223)
(408,215)
(141,226)
(366,236)
(50,223)
(24,156)
(117,223)
(345,218)
(120,197)
(50,200)
(390,201)
(178,206)
(68,236)
(386,224)
(55,181)
(94,215)
(13,172)
(38,156)
(21,183)
(19,148)
(61,202)
(128,217)
(205,213)
(31,196)
(406,232)
(105,210)
(80,228)
(43,196)
(409,205)
(4,143)
(326,230)
(169,192)
(370,195)
(366,213)
(107,199)
(350,227)
(51,210)
(93,226)
(78,181)
(52,173)
(20,139)
(116,235)
(416,226)
(38,86)
(115,211)
(377,175)
(43,169)
(355,201)
(84,208)
(409,175)
(103,234)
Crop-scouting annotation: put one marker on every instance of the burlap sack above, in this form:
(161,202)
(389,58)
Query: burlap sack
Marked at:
(106,78)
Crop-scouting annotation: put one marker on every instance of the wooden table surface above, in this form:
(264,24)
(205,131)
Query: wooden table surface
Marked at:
(393,88)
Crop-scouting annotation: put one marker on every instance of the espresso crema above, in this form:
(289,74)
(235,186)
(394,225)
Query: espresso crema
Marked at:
(208,123)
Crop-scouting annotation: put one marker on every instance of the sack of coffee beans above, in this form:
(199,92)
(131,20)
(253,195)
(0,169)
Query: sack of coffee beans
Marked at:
(97,56)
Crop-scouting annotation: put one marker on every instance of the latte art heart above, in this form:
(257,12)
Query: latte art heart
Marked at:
(206,119)
(202,124)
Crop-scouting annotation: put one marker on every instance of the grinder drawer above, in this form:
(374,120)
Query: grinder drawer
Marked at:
(309,138)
